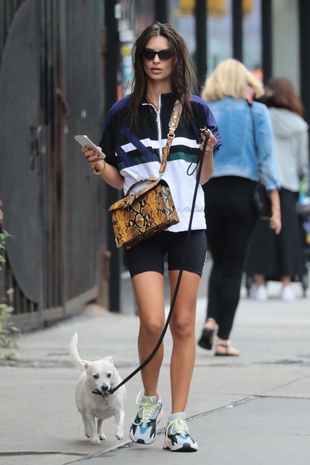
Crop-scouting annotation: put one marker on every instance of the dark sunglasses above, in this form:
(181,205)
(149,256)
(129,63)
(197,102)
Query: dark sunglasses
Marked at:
(149,54)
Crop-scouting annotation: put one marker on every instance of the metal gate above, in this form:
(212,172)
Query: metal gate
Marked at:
(51,87)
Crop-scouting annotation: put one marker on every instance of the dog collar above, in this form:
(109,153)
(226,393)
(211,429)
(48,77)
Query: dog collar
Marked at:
(104,395)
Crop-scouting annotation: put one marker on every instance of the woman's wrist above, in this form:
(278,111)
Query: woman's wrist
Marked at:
(98,168)
(209,149)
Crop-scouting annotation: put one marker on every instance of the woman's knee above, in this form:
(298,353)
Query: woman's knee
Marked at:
(182,328)
(151,328)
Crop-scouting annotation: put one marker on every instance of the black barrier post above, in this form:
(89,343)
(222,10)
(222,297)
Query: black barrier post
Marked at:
(112,39)
(201,41)
(161,10)
(266,15)
(304,37)
(237,29)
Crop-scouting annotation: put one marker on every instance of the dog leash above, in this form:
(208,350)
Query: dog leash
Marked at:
(161,338)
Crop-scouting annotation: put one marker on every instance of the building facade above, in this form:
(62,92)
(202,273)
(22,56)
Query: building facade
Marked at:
(63,64)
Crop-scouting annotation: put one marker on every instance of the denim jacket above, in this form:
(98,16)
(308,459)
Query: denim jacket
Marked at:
(241,154)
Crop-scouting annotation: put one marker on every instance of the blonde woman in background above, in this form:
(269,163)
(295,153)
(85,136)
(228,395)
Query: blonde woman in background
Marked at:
(229,206)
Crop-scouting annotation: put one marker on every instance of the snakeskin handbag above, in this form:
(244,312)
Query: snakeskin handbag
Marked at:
(141,215)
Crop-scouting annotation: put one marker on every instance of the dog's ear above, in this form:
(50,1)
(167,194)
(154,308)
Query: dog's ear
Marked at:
(110,359)
(86,364)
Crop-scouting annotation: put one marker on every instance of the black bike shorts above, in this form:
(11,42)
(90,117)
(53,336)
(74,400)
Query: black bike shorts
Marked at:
(182,253)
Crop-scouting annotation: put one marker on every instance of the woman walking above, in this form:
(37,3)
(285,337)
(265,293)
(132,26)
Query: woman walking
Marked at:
(281,258)
(133,138)
(230,212)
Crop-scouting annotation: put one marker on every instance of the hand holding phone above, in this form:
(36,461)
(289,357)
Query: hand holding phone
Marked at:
(84,141)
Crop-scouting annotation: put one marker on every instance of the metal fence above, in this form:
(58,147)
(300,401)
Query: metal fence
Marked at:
(51,87)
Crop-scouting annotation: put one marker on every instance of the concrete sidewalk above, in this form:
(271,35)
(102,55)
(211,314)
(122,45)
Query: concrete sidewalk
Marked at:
(250,410)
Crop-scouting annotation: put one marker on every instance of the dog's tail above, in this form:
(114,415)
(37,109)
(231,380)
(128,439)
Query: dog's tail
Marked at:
(74,355)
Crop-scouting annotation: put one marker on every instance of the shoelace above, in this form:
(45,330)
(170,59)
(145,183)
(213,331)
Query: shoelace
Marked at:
(177,426)
(146,409)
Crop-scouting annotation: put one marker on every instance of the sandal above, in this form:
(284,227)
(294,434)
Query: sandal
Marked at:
(228,352)
(207,336)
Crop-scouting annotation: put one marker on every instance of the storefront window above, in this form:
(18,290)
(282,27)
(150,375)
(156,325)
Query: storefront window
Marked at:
(136,15)
(219,36)
(219,30)
(133,16)
(252,37)
(184,22)
(218,27)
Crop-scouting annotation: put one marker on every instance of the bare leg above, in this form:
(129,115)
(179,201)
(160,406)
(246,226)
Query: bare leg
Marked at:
(223,347)
(286,280)
(182,327)
(210,323)
(149,291)
(259,280)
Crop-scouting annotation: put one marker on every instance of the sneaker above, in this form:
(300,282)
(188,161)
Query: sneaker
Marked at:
(287,294)
(258,293)
(143,428)
(177,437)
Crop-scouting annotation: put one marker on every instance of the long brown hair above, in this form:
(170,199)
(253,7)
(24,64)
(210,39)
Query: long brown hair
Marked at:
(280,93)
(182,79)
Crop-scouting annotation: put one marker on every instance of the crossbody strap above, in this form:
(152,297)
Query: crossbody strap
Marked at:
(173,124)
(255,138)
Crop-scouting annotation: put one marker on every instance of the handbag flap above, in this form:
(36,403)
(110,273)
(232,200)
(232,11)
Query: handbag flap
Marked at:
(128,200)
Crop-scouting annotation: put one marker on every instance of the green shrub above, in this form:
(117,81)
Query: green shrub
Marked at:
(3,236)
(8,331)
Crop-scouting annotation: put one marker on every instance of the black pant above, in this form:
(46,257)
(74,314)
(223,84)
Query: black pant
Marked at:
(277,255)
(231,218)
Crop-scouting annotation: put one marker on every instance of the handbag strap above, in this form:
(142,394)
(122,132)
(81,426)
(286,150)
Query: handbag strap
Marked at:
(254,137)
(253,123)
(173,124)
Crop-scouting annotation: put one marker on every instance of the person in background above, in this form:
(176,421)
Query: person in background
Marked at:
(281,257)
(229,205)
(134,135)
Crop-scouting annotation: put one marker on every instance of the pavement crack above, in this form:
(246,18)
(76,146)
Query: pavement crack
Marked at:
(35,452)
(223,407)
(104,452)
(289,383)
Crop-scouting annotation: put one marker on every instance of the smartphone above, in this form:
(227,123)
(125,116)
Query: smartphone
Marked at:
(84,141)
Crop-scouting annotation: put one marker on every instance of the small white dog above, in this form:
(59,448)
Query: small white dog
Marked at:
(92,397)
